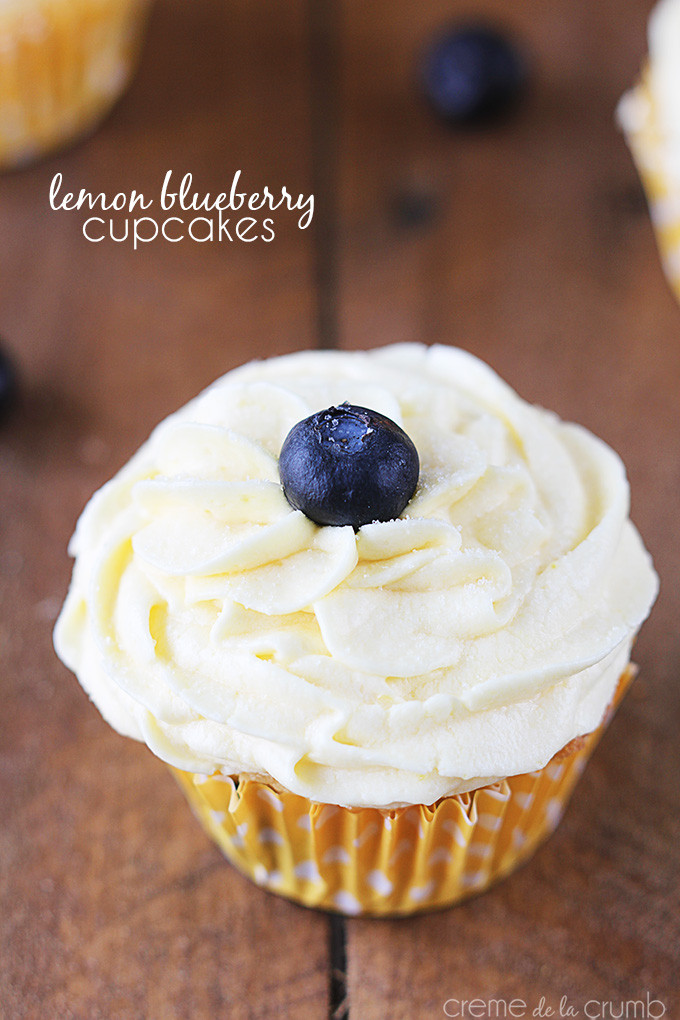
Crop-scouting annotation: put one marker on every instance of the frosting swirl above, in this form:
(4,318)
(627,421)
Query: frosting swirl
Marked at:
(468,640)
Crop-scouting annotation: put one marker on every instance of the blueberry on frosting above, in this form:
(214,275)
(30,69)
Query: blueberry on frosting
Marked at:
(348,465)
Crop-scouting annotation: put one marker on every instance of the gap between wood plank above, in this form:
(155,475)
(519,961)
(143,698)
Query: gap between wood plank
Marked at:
(338,1003)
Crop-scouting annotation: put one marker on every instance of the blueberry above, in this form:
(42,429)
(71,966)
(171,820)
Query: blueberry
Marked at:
(472,74)
(348,465)
(8,383)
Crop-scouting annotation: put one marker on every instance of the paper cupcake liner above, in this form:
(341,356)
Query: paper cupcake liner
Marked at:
(63,63)
(637,117)
(368,861)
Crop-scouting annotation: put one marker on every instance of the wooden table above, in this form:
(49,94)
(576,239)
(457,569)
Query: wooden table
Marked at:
(529,244)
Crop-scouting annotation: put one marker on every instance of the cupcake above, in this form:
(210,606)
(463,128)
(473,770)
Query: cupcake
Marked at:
(372,609)
(63,63)
(649,115)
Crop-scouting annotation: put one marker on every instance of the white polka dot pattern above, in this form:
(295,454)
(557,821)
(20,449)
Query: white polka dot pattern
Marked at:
(371,862)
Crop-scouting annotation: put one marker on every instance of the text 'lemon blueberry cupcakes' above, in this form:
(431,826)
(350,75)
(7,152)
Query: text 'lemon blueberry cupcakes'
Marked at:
(63,63)
(650,117)
(378,681)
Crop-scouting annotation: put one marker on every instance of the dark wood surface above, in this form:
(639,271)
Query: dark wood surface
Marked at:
(529,244)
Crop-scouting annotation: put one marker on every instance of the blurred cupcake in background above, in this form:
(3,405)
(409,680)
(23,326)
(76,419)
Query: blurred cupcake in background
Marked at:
(650,117)
(63,64)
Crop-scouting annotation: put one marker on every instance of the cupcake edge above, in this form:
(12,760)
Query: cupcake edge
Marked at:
(62,67)
(368,861)
(637,117)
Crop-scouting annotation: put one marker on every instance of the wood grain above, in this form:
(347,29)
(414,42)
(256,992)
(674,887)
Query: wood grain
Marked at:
(530,245)
(113,903)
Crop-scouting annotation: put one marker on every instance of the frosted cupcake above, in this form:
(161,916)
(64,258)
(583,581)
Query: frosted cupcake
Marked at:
(650,117)
(63,63)
(377,713)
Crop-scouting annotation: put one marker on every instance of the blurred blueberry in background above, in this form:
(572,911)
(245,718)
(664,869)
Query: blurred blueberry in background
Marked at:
(472,74)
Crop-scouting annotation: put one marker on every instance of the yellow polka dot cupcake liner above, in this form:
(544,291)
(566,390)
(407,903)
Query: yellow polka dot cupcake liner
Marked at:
(380,863)
(63,63)
(638,119)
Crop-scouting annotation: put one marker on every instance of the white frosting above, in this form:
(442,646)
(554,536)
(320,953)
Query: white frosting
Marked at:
(664,64)
(657,105)
(466,641)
